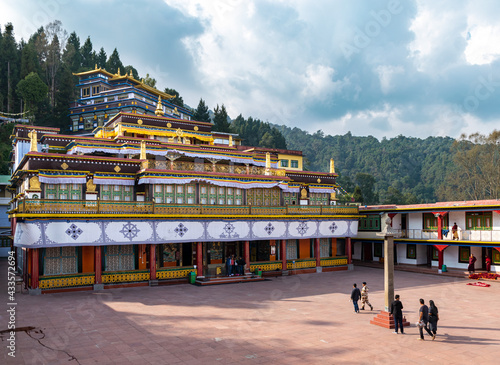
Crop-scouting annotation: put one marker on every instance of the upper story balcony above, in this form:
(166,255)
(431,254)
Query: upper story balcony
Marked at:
(490,235)
(136,208)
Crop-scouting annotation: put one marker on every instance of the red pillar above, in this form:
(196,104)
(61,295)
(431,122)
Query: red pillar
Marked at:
(283,255)
(316,252)
(348,250)
(440,249)
(98,264)
(440,227)
(199,258)
(152,262)
(34,268)
(246,253)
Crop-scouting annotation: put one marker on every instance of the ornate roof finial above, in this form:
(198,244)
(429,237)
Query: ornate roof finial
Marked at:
(159,108)
(131,75)
(332,166)
(33,141)
(231,142)
(96,66)
(118,72)
(143,151)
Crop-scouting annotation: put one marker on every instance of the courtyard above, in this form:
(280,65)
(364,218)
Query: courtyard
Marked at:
(298,319)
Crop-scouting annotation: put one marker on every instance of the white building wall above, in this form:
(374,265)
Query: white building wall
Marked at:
(450,258)
(357,247)
(415,221)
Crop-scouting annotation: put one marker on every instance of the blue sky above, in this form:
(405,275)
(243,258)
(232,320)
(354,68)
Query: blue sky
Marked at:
(380,68)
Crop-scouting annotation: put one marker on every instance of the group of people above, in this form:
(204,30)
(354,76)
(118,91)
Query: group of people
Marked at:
(235,266)
(428,316)
(362,294)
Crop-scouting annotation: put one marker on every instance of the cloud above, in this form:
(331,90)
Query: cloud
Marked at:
(384,67)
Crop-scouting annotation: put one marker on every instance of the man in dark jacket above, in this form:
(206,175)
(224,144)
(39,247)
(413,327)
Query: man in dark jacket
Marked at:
(397,313)
(355,296)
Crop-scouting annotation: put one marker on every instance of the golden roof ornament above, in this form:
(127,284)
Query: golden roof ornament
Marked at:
(231,142)
(34,183)
(33,141)
(118,72)
(96,66)
(159,108)
(143,151)
(131,75)
(332,166)
(91,186)
(268,160)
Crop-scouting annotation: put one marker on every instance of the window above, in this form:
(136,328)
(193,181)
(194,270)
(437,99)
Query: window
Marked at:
(284,163)
(370,223)
(295,164)
(60,260)
(478,220)
(85,92)
(411,251)
(119,258)
(495,256)
(95,90)
(435,254)
(463,254)
(430,222)
(377,249)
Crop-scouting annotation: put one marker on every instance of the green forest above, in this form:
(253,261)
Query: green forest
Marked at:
(37,85)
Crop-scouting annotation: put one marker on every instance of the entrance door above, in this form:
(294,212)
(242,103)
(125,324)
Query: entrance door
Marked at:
(187,254)
(367,251)
(404,228)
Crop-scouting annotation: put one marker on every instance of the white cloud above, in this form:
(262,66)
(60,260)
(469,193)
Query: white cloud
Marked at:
(386,75)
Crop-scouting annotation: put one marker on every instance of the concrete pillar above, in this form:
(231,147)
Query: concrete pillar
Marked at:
(388,272)
(348,252)
(34,289)
(98,285)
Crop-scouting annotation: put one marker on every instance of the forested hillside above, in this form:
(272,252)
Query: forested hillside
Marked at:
(398,170)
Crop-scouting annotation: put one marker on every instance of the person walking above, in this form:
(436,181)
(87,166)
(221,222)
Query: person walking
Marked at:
(397,313)
(364,297)
(472,261)
(433,318)
(488,264)
(355,295)
(423,319)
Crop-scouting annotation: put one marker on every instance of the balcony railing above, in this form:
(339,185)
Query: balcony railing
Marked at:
(44,206)
(209,167)
(465,235)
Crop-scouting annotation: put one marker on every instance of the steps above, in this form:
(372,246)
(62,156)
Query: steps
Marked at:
(384,319)
(228,280)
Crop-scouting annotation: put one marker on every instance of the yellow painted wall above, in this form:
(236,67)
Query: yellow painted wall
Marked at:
(289,158)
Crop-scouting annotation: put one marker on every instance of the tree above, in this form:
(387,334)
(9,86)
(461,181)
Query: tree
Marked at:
(201,113)
(101,58)
(177,100)
(367,184)
(9,57)
(52,66)
(33,90)
(113,63)
(476,171)
(135,74)
(357,196)
(29,60)
(220,120)
(64,97)
(149,81)
(87,55)
(71,55)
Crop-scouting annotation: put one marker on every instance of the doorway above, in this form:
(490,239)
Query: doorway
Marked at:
(367,251)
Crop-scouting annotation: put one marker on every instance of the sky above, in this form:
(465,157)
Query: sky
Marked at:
(381,68)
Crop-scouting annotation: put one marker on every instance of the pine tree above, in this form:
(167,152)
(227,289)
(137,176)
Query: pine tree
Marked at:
(10,70)
(220,120)
(113,63)
(71,55)
(201,113)
(101,58)
(177,100)
(88,59)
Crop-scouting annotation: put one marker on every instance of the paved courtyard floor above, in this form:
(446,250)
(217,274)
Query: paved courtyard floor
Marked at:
(303,319)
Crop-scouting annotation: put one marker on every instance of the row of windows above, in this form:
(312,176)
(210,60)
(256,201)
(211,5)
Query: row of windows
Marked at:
(293,163)
(474,221)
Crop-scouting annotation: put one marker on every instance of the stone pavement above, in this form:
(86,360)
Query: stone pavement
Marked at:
(303,319)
